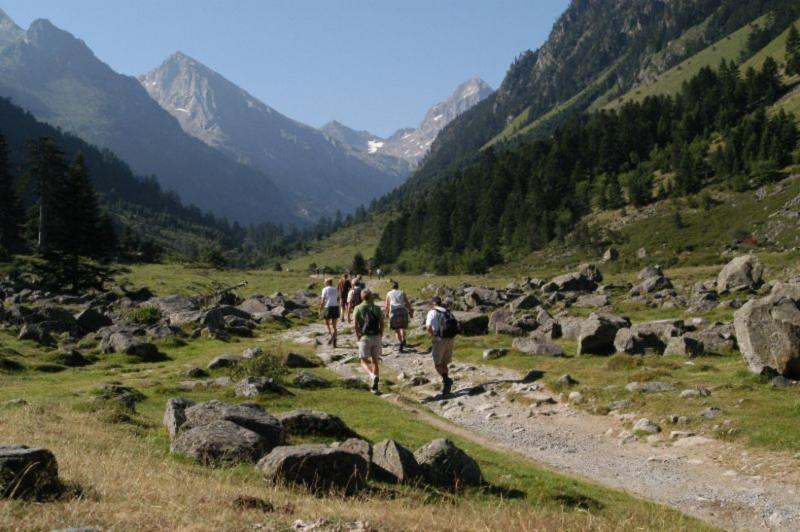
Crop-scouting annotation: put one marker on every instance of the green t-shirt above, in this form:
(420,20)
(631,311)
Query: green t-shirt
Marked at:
(362,309)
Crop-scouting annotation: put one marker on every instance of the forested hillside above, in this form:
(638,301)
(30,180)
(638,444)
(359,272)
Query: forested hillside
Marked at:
(514,201)
(596,50)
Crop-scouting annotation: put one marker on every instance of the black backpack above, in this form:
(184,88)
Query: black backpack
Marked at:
(448,326)
(357,294)
(371,325)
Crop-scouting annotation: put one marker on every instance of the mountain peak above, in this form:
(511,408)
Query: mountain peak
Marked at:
(9,31)
(44,34)
(471,87)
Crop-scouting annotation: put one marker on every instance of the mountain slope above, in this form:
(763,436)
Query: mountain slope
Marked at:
(412,144)
(315,173)
(366,147)
(59,79)
(597,49)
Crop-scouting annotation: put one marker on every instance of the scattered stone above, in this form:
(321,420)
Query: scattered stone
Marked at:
(622,404)
(710,413)
(446,466)
(224,361)
(391,462)
(256,386)
(684,346)
(678,434)
(252,352)
(741,273)
(591,301)
(304,379)
(570,282)
(27,472)
(650,387)
(648,272)
(646,426)
(526,302)
(611,254)
(419,380)
(317,467)
(494,353)
(566,380)
(533,346)
(122,342)
(303,422)
(780,381)
(293,360)
(575,397)
(126,395)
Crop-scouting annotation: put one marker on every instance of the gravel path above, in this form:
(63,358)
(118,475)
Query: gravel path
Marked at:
(724,484)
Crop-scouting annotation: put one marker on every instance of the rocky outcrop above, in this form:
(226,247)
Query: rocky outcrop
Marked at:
(27,472)
(391,462)
(175,414)
(472,323)
(597,333)
(303,422)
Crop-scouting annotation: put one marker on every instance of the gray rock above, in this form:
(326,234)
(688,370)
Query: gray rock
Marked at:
(718,338)
(647,337)
(254,306)
(316,467)
(650,271)
(622,404)
(645,426)
(27,472)
(252,352)
(249,416)
(692,393)
(768,333)
(570,326)
(357,446)
(305,422)
(175,414)
(566,380)
(477,297)
(122,342)
(256,386)
(611,254)
(220,441)
(224,361)
(391,462)
(304,379)
(90,321)
(525,302)
(597,333)
(293,360)
(591,272)
(741,273)
(780,381)
(649,387)
(684,346)
(446,466)
(497,352)
(710,413)
(570,282)
(533,346)
(650,285)
(472,323)
(591,301)
(36,332)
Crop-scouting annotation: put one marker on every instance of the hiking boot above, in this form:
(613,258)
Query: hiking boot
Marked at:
(374,387)
(400,347)
(447,385)
(330,339)
(333,342)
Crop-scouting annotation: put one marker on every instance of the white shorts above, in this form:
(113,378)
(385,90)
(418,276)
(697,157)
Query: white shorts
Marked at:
(370,347)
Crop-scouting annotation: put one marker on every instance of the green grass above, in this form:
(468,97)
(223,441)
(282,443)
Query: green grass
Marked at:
(775,49)
(541,491)
(729,49)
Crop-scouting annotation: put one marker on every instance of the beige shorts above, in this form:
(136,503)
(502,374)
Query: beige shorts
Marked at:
(442,350)
(370,347)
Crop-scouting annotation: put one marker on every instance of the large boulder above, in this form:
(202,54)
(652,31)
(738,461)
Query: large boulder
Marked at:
(391,462)
(475,296)
(446,466)
(570,326)
(591,272)
(651,285)
(472,323)
(500,319)
(525,302)
(650,271)
(54,319)
(36,332)
(570,282)
(123,342)
(254,306)
(27,472)
(534,346)
(178,309)
(597,333)
(684,346)
(219,432)
(302,422)
(742,273)
(255,386)
(175,414)
(647,337)
(718,338)
(316,467)
(768,333)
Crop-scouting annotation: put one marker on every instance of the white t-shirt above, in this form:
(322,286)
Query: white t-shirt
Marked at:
(330,296)
(351,296)
(397,298)
(434,318)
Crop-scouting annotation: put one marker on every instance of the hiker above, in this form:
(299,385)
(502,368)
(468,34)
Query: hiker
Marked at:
(442,327)
(369,332)
(344,289)
(354,298)
(329,307)
(398,310)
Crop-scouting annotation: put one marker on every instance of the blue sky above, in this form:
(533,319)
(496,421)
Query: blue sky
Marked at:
(371,64)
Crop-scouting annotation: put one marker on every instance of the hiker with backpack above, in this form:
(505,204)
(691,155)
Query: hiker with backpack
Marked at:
(442,326)
(344,289)
(354,299)
(329,307)
(399,311)
(369,332)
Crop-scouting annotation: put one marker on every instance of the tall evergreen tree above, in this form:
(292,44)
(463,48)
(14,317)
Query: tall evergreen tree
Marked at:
(10,211)
(793,51)
(47,169)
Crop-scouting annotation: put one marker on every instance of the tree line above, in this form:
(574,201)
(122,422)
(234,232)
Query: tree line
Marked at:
(519,199)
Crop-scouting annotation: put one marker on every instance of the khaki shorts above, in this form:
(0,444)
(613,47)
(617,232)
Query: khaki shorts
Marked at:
(370,347)
(442,350)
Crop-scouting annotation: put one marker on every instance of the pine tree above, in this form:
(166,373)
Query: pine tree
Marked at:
(47,170)
(793,51)
(82,219)
(359,264)
(10,211)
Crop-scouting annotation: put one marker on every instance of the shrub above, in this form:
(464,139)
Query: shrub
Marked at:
(263,365)
(145,315)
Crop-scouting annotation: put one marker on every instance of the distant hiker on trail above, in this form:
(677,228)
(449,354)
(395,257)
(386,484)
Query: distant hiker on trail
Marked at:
(329,307)
(379,273)
(344,290)
(354,298)
(369,332)
(398,310)
(442,327)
